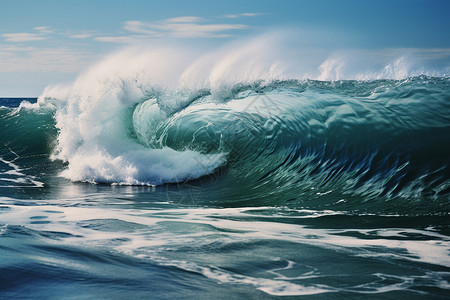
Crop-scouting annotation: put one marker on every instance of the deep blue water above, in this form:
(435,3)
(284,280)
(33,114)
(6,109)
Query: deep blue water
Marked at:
(15,102)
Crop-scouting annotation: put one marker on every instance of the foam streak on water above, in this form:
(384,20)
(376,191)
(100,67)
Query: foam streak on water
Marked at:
(13,173)
(170,237)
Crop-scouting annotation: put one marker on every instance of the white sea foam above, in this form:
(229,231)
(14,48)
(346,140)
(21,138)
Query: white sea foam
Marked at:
(93,135)
(144,233)
(17,175)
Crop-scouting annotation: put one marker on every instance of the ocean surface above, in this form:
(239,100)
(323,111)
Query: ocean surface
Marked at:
(114,189)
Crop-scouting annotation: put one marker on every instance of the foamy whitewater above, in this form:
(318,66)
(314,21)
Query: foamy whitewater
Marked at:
(253,170)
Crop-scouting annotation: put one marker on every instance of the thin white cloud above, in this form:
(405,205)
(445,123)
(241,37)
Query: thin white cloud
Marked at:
(42,34)
(187,19)
(118,39)
(16,48)
(80,36)
(251,14)
(178,27)
(197,30)
(181,27)
(83,34)
(43,29)
(140,27)
(23,37)
(33,59)
(235,16)
(231,16)
(193,29)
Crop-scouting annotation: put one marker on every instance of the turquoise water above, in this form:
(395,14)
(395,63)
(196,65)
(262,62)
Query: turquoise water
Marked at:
(289,188)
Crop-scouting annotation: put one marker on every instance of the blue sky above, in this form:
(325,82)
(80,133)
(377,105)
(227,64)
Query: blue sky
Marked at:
(44,42)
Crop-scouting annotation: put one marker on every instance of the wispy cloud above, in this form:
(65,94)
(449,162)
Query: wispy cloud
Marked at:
(119,39)
(35,59)
(23,37)
(43,29)
(186,19)
(42,34)
(80,36)
(140,27)
(180,27)
(235,16)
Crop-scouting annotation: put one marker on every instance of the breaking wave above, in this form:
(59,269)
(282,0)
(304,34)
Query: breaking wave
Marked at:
(253,121)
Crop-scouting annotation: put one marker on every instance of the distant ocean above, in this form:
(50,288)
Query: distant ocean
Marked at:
(125,188)
(15,102)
